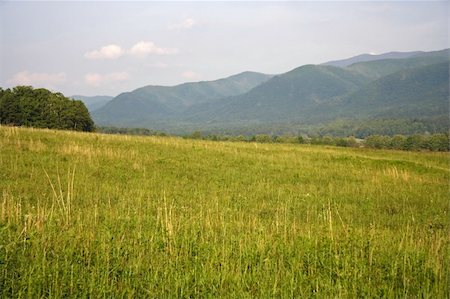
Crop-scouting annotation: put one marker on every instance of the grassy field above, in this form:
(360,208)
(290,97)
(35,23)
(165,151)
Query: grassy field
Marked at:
(90,215)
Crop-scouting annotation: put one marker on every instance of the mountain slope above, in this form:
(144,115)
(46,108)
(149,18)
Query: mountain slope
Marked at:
(287,96)
(416,93)
(162,102)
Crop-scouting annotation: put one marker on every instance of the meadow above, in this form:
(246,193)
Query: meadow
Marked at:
(93,215)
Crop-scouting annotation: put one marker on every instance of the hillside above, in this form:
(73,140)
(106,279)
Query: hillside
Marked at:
(415,93)
(287,96)
(93,216)
(160,102)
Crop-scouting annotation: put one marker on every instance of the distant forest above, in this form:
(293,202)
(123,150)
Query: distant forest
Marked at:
(418,142)
(41,108)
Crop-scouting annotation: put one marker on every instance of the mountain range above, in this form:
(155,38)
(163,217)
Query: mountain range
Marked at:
(155,103)
(406,85)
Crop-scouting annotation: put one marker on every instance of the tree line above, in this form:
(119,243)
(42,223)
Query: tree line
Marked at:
(431,142)
(129,131)
(417,142)
(41,108)
(385,127)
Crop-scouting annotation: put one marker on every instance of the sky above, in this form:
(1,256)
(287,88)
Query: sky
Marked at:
(105,48)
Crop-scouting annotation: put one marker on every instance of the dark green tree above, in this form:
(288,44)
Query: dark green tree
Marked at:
(41,108)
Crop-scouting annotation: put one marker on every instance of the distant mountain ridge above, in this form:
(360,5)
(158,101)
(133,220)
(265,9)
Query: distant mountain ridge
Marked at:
(410,85)
(371,57)
(378,68)
(93,102)
(161,102)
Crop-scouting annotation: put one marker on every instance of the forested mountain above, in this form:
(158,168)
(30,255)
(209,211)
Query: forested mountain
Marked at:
(287,96)
(94,102)
(419,92)
(411,88)
(41,108)
(316,94)
(151,103)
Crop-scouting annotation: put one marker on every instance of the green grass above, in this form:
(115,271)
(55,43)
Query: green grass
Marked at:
(91,215)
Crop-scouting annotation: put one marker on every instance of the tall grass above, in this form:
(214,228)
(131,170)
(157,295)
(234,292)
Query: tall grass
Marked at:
(91,215)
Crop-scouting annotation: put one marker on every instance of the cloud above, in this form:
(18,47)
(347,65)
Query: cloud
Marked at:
(190,75)
(38,79)
(106,52)
(183,25)
(140,49)
(144,48)
(96,80)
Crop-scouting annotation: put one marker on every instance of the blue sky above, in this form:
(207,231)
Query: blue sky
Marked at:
(104,48)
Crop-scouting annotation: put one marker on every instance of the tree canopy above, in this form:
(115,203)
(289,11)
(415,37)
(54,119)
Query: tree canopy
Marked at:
(41,108)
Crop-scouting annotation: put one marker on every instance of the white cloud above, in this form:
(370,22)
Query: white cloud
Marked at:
(96,80)
(190,75)
(106,52)
(144,48)
(183,25)
(38,79)
(140,49)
